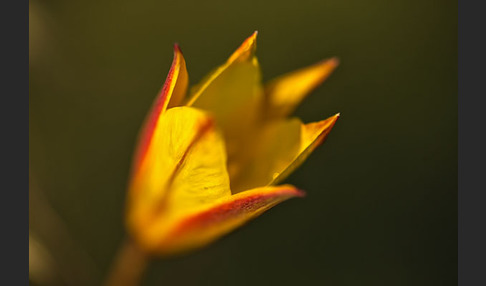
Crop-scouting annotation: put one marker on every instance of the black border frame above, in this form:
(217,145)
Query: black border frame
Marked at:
(15,122)
(471,145)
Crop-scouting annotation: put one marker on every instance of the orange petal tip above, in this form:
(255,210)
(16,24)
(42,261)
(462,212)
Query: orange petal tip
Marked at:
(335,117)
(251,39)
(246,49)
(327,66)
(333,61)
(325,127)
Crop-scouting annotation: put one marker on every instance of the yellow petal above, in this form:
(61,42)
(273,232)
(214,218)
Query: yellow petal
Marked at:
(185,169)
(282,146)
(312,135)
(277,144)
(182,79)
(245,53)
(246,49)
(285,93)
(200,228)
(171,94)
(234,95)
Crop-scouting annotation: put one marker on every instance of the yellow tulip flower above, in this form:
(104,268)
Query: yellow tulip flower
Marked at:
(210,161)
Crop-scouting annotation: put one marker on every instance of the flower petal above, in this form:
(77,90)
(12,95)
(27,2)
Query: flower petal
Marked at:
(234,95)
(245,53)
(171,94)
(208,224)
(275,145)
(284,93)
(282,146)
(185,169)
(312,135)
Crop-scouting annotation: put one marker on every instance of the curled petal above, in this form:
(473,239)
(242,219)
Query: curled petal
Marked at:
(285,93)
(171,94)
(208,224)
(185,169)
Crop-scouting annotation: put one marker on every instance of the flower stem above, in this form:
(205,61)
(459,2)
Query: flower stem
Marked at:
(128,267)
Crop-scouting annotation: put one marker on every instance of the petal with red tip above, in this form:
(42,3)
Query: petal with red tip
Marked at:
(171,94)
(200,228)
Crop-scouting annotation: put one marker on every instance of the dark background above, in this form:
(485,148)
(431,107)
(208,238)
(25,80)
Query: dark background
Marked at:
(382,191)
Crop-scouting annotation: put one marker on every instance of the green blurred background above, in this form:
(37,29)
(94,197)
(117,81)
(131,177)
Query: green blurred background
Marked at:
(382,191)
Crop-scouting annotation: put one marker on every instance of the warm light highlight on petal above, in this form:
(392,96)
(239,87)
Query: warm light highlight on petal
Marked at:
(285,93)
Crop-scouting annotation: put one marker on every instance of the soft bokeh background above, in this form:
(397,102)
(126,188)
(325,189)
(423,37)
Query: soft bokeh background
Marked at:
(381,206)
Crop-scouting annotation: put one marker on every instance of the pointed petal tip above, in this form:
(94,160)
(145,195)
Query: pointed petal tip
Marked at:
(177,49)
(250,42)
(300,193)
(318,131)
(286,92)
(328,124)
(334,61)
(290,191)
(336,117)
(329,65)
(246,50)
(170,95)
